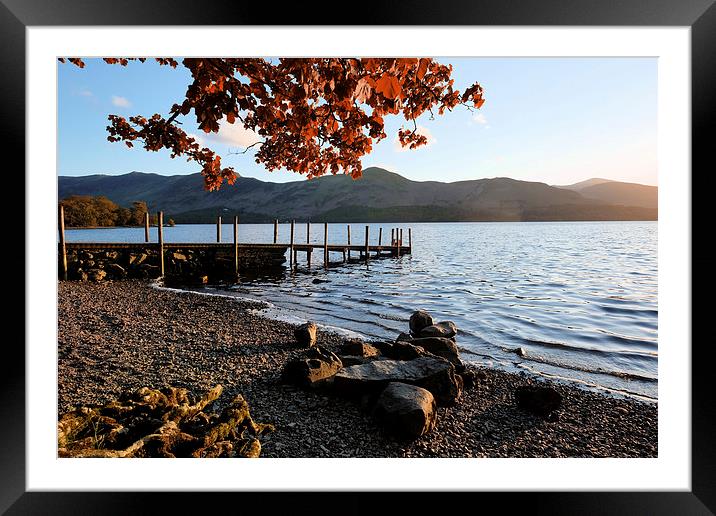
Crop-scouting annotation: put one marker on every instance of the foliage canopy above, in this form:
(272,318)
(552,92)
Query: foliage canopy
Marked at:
(313,115)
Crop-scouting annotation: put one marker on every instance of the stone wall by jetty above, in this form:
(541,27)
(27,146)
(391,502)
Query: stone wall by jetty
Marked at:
(184,264)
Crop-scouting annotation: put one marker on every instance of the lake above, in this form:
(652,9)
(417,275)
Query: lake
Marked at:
(580,298)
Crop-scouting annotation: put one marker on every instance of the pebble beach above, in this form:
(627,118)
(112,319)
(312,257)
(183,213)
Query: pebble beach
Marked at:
(116,336)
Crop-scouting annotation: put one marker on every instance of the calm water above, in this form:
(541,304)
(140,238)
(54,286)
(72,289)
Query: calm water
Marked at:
(579,297)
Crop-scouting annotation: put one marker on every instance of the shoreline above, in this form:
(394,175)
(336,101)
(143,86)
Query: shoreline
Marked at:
(271,311)
(123,335)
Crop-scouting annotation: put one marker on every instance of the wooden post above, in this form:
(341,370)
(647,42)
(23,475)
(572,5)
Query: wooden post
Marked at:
(410,240)
(146,226)
(349,242)
(218,228)
(397,232)
(236,245)
(291,253)
(160,234)
(63,249)
(309,251)
(380,240)
(392,237)
(367,247)
(275,231)
(401,237)
(325,245)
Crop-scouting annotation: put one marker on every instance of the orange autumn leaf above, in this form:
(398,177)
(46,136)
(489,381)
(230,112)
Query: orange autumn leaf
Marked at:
(388,86)
(422,68)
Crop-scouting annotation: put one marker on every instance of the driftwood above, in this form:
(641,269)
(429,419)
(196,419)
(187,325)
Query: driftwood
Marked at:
(160,423)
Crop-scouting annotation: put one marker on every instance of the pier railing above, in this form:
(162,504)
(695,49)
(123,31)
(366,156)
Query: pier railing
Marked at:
(365,251)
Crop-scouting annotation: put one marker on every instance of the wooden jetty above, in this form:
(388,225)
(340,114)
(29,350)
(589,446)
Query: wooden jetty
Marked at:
(366,250)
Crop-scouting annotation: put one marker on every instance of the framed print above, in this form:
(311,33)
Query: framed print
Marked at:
(498,299)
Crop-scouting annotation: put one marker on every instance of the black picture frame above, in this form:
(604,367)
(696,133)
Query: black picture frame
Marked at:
(699,15)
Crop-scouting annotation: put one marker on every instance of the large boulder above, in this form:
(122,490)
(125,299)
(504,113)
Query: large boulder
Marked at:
(357,347)
(419,320)
(117,270)
(319,365)
(96,274)
(349,360)
(406,410)
(538,399)
(137,259)
(404,337)
(306,334)
(432,373)
(446,329)
(406,351)
(440,346)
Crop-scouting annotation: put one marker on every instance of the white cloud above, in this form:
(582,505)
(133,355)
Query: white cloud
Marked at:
(86,93)
(234,134)
(420,130)
(120,101)
(480,119)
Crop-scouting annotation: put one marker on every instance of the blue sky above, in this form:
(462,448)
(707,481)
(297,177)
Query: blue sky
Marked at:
(554,120)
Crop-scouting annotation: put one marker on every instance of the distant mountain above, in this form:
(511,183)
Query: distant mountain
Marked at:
(616,192)
(379,196)
(584,184)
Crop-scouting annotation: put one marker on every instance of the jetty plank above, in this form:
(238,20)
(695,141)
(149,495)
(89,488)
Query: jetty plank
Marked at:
(63,248)
(160,233)
(325,244)
(236,244)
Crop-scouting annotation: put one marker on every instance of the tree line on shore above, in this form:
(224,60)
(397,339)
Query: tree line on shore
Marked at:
(93,211)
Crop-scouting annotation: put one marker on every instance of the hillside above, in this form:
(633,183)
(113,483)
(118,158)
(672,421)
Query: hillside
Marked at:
(618,193)
(379,196)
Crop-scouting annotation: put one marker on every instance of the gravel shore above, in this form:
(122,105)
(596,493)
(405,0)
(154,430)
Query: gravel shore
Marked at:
(115,336)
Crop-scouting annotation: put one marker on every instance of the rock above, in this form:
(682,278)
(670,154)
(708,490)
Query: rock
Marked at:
(137,259)
(319,365)
(179,257)
(406,410)
(96,274)
(419,320)
(404,337)
(383,346)
(116,270)
(359,348)
(306,334)
(147,270)
(349,360)
(441,347)
(406,351)
(538,400)
(432,373)
(521,352)
(112,255)
(444,329)
(469,379)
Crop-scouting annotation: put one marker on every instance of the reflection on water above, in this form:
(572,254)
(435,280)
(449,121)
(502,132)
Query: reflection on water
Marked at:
(579,297)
